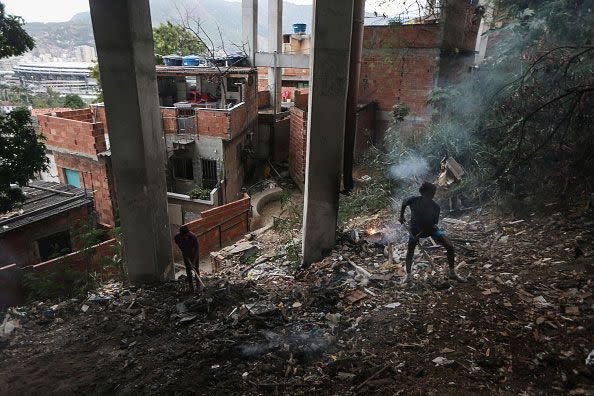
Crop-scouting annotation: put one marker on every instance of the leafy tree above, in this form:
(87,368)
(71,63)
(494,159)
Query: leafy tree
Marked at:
(14,40)
(95,74)
(521,124)
(73,101)
(22,155)
(174,39)
(47,100)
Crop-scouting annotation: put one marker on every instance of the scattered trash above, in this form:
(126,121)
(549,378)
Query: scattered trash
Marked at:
(392,305)
(9,325)
(540,302)
(84,308)
(441,361)
(590,358)
(355,295)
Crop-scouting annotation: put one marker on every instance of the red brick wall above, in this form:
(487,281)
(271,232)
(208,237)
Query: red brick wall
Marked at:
(398,65)
(72,135)
(213,123)
(11,292)
(77,114)
(298,145)
(80,260)
(169,117)
(234,170)
(93,175)
(263,99)
(222,224)
(238,120)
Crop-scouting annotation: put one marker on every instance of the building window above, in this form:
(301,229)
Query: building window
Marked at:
(183,168)
(209,173)
(232,84)
(53,246)
(72,177)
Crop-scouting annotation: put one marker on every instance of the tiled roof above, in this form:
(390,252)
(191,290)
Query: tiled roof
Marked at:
(44,199)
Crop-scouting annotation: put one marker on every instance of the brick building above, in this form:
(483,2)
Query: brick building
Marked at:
(45,225)
(77,146)
(209,120)
(208,123)
(400,64)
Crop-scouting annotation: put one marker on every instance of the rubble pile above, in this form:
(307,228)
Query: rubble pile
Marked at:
(523,322)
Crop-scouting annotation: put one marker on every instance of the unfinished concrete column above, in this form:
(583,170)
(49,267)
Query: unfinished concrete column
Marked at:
(249,28)
(329,65)
(275,42)
(124,40)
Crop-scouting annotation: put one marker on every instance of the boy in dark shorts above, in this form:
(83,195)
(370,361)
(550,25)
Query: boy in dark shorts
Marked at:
(423,224)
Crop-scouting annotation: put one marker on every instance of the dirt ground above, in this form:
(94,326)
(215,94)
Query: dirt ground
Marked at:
(522,324)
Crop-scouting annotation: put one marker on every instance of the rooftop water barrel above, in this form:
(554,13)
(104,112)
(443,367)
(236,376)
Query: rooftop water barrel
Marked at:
(172,60)
(299,28)
(191,60)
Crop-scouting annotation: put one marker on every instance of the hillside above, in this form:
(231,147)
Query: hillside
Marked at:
(52,37)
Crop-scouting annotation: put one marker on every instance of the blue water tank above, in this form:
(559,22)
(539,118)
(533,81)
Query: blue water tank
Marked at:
(299,28)
(191,60)
(172,60)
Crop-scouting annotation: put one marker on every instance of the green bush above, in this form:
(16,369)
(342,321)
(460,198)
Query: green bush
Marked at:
(200,193)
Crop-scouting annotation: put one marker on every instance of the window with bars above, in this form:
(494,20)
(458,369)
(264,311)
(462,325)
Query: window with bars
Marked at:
(183,168)
(209,173)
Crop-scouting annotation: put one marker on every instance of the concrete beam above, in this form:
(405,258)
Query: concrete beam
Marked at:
(275,45)
(249,28)
(124,41)
(296,61)
(325,133)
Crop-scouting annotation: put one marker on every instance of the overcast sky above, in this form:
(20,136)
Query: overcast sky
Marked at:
(63,10)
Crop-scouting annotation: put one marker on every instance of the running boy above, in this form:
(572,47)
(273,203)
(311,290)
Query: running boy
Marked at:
(423,223)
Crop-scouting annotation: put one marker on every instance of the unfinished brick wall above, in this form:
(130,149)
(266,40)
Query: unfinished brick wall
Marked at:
(93,176)
(213,123)
(297,145)
(399,65)
(90,260)
(76,114)
(169,117)
(234,168)
(219,226)
(263,99)
(73,135)
(238,120)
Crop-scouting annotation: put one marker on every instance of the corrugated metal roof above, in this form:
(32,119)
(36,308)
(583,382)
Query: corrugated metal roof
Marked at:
(44,199)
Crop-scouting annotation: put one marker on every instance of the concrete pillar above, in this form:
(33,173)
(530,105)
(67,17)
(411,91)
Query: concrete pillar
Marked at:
(124,40)
(275,46)
(350,134)
(249,28)
(329,65)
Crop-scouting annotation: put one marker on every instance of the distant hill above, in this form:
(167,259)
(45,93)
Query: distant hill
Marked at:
(50,37)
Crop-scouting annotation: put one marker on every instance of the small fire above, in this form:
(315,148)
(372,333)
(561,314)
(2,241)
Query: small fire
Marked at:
(371,231)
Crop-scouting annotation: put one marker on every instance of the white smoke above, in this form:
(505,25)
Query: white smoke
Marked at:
(411,168)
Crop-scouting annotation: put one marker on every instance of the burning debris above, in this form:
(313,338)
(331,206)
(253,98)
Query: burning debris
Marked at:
(343,325)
